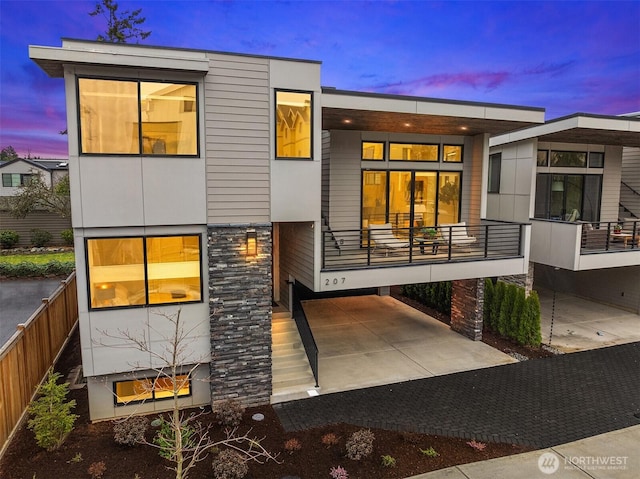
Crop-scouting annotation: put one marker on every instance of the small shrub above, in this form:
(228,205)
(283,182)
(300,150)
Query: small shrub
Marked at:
(430,452)
(478,446)
(67,237)
(97,469)
(360,444)
(292,445)
(130,431)
(388,461)
(40,237)
(52,419)
(228,412)
(8,239)
(165,439)
(330,439)
(229,465)
(339,473)
(75,459)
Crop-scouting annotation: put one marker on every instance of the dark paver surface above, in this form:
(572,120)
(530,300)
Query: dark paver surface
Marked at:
(539,403)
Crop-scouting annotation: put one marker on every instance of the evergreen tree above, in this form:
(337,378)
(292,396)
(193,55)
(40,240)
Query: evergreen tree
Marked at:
(120,27)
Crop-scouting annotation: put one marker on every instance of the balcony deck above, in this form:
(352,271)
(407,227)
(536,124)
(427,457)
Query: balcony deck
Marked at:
(356,249)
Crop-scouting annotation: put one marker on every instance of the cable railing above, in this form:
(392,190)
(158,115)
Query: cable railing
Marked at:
(306,335)
(386,245)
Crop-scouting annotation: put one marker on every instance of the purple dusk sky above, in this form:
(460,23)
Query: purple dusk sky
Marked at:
(564,56)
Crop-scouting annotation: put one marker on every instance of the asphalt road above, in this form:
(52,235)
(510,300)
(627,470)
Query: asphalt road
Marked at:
(19,298)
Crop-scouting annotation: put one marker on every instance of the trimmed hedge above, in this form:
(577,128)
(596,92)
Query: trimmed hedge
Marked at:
(509,313)
(434,295)
(28,270)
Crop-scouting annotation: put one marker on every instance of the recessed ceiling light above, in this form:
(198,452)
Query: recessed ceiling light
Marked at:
(464,128)
(407,124)
(346,120)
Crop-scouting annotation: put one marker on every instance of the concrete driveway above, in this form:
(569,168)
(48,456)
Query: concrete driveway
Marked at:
(580,324)
(19,298)
(367,341)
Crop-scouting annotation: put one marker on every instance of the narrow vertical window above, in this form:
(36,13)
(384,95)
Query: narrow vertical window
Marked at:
(495,164)
(294,124)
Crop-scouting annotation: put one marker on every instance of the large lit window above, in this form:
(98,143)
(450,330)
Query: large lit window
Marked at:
(137,117)
(412,152)
(140,271)
(150,389)
(16,179)
(373,150)
(294,121)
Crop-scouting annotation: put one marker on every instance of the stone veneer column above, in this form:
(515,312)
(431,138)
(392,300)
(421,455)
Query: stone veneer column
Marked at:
(467,301)
(524,280)
(240,314)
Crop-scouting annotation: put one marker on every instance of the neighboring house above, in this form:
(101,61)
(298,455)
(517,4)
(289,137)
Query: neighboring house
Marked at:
(18,172)
(211,182)
(568,176)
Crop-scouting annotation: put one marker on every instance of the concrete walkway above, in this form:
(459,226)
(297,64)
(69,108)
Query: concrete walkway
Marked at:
(612,455)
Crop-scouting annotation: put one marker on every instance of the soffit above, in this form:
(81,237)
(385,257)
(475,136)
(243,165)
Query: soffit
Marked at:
(594,136)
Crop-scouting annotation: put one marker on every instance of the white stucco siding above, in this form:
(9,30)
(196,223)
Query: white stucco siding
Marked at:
(237,139)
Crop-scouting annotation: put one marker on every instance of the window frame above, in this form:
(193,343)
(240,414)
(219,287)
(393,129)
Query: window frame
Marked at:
(146,303)
(551,152)
(138,81)
(546,158)
(384,150)
(444,160)
(601,162)
(153,397)
(492,187)
(437,145)
(311,126)
(22,179)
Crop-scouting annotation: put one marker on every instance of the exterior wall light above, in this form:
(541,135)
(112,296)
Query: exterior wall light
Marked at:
(252,243)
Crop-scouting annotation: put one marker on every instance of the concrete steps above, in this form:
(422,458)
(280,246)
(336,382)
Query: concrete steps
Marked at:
(292,375)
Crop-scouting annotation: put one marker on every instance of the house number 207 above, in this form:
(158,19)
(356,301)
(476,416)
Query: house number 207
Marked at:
(334,281)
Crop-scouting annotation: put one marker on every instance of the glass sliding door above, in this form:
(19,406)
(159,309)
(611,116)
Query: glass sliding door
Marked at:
(400,198)
(449,198)
(424,199)
(374,198)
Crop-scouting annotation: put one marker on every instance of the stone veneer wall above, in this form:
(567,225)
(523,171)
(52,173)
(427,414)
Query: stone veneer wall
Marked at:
(240,314)
(523,280)
(467,302)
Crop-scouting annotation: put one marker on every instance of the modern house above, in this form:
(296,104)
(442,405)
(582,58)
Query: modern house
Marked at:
(216,184)
(567,176)
(18,172)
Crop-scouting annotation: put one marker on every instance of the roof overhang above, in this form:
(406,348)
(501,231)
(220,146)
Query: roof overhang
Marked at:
(580,128)
(348,110)
(75,52)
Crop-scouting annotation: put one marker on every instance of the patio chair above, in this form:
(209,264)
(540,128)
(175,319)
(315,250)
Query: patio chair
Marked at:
(455,234)
(383,238)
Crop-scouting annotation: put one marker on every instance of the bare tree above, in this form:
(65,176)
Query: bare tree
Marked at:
(182,438)
(120,27)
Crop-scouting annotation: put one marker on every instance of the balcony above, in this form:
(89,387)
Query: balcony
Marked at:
(578,246)
(352,259)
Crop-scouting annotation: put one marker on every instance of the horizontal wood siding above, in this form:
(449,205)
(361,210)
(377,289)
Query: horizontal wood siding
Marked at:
(296,252)
(326,169)
(50,222)
(237,140)
(344,180)
(611,183)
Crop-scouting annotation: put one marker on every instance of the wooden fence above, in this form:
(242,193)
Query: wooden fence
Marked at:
(31,351)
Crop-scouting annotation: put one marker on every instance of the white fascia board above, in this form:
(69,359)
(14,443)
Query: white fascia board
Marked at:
(366,103)
(611,124)
(138,58)
(534,131)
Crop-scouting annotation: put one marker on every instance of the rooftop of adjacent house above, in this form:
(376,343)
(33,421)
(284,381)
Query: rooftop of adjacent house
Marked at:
(580,128)
(43,164)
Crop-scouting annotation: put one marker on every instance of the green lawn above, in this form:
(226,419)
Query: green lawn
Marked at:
(44,258)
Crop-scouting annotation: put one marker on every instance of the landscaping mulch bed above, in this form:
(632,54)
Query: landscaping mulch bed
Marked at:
(89,443)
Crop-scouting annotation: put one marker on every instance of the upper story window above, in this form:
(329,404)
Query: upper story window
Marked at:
(543,158)
(495,168)
(596,159)
(130,117)
(452,153)
(294,124)
(373,150)
(412,152)
(569,158)
(16,179)
(138,271)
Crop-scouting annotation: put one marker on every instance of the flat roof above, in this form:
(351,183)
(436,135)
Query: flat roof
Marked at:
(580,128)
